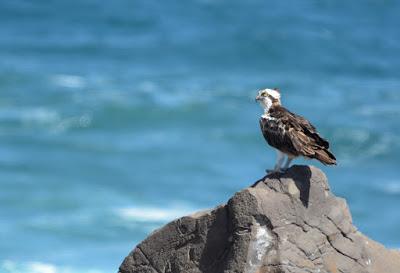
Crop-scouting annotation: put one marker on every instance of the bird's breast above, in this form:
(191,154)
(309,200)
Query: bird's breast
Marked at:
(268,118)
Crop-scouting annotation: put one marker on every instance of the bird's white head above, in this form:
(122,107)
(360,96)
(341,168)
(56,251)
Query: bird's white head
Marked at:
(268,97)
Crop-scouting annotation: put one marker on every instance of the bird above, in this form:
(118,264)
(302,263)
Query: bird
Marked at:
(290,134)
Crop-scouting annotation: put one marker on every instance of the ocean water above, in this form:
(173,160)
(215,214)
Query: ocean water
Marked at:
(118,116)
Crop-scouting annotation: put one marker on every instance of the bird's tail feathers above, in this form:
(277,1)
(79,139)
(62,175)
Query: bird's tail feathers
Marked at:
(326,157)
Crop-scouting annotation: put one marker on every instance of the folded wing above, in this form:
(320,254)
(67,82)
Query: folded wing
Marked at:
(294,135)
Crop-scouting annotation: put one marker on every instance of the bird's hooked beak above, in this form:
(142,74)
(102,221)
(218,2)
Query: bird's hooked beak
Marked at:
(258,98)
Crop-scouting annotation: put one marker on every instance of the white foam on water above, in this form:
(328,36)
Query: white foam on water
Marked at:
(8,266)
(376,110)
(69,81)
(39,267)
(147,86)
(65,124)
(360,135)
(44,117)
(178,97)
(39,115)
(152,214)
(364,145)
(392,188)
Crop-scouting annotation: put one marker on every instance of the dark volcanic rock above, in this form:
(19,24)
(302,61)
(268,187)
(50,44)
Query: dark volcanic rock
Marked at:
(283,223)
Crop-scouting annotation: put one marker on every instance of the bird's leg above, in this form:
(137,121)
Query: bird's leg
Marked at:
(287,164)
(279,160)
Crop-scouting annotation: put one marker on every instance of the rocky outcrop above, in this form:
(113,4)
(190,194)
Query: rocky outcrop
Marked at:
(283,223)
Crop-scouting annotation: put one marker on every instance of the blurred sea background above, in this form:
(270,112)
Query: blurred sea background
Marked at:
(118,116)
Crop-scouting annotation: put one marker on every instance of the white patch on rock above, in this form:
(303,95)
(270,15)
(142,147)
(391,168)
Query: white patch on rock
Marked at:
(259,245)
(293,190)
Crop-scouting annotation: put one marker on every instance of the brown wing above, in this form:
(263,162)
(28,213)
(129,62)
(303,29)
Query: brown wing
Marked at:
(309,130)
(302,136)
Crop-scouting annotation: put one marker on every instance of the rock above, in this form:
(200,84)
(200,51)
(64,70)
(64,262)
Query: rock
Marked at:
(283,223)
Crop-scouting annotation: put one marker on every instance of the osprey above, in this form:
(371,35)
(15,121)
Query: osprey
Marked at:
(290,134)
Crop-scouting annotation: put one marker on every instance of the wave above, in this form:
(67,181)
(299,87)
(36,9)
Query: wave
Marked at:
(392,188)
(378,110)
(65,124)
(152,214)
(43,117)
(8,266)
(363,144)
(191,92)
(81,221)
(388,188)
(69,81)
(39,115)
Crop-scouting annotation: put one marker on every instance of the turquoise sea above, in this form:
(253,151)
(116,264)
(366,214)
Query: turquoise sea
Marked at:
(118,116)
